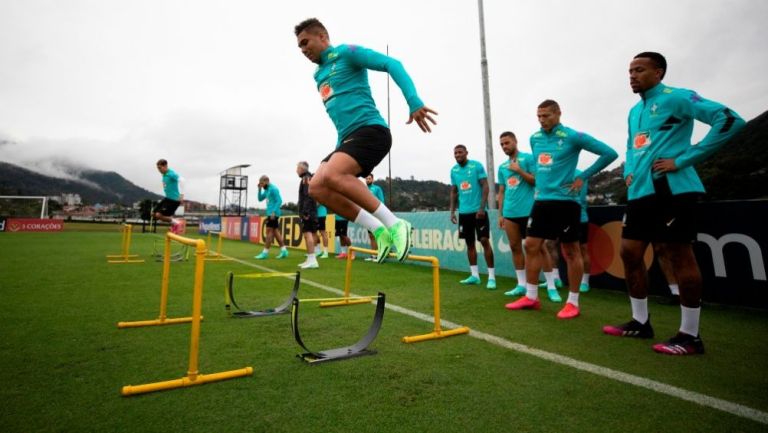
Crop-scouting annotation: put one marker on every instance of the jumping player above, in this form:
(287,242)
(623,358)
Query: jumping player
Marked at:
(172,188)
(363,136)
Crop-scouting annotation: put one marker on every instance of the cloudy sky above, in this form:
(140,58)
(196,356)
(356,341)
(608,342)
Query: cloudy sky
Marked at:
(117,84)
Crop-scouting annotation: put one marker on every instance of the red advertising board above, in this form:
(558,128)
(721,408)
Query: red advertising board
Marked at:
(31,225)
(254,229)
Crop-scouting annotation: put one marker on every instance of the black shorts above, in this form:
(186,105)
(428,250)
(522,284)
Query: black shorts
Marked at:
(469,225)
(321,223)
(555,219)
(662,217)
(167,207)
(584,233)
(367,145)
(522,225)
(273,222)
(341,228)
(309,224)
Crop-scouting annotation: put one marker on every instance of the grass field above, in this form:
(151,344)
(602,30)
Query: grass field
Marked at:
(63,361)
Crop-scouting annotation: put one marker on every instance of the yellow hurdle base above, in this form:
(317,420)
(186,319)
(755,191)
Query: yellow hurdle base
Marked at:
(344,302)
(186,381)
(156,322)
(436,335)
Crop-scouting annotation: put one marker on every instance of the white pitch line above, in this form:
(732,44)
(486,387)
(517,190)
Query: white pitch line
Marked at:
(662,388)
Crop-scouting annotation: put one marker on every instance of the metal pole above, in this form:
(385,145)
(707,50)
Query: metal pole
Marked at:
(487,112)
(389,155)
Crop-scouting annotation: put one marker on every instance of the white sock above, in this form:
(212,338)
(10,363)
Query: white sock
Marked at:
(674,289)
(491,273)
(367,220)
(520,277)
(639,309)
(474,271)
(265,251)
(383,214)
(317,249)
(689,320)
(556,273)
(311,258)
(325,250)
(344,250)
(585,279)
(550,277)
(532,291)
(283,248)
(573,298)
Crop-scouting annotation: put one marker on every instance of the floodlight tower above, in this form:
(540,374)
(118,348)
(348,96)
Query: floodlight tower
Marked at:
(233,191)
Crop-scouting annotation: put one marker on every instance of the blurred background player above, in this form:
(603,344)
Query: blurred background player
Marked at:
(469,185)
(271,194)
(172,189)
(308,215)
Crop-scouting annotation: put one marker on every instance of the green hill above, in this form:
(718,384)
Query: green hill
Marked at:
(94,187)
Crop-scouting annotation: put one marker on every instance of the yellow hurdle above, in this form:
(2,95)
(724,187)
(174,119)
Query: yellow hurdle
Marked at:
(438,331)
(215,256)
(125,256)
(193,377)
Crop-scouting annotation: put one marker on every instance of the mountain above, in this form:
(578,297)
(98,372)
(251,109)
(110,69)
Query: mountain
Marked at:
(739,170)
(93,186)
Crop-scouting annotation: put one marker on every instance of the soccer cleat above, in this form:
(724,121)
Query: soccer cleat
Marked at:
(324,255)
(680,344)
(568,312)
(633,328)
(584,288)
(558,283)
(384,242)
(370,259)
(491,284)
(524,303)
(309,265)
(261,256)
(283,254)
(400,234)
(341,256)
(470,280)
(517,291)
(554,296)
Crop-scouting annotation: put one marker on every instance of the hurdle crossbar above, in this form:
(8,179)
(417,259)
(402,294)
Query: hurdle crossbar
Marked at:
(215,256)
(193,377)
(438,331)
(125,255)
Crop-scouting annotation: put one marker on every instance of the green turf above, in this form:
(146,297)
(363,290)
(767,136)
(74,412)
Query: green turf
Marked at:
(63,361)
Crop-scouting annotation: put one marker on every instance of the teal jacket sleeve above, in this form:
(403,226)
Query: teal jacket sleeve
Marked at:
(724,125)
(605,153)
(367,58)
(262,195)
(629,163)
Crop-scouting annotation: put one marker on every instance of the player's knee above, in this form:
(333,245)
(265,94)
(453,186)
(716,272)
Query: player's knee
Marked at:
(317,189)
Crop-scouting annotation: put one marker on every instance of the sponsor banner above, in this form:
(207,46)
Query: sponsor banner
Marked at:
(290,229)
(254,229)
(31,225)
(231,227)
(209,224)
(730,250)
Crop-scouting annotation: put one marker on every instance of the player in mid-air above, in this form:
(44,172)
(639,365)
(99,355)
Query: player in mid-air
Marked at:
(363,136)
(172,188)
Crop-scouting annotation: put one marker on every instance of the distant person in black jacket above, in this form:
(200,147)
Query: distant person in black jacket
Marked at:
(308,215)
